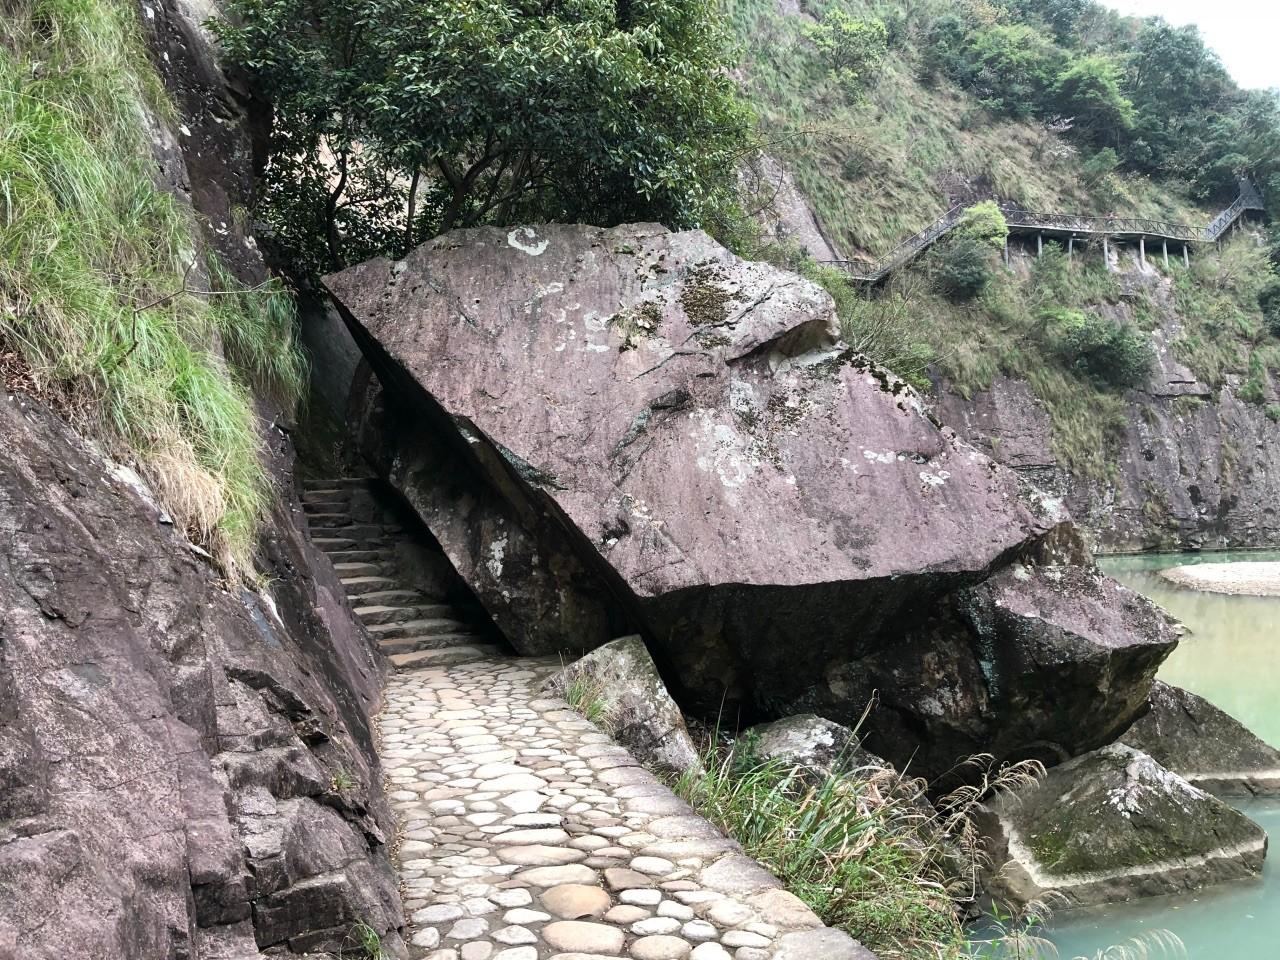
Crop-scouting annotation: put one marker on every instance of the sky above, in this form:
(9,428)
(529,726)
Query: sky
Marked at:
(1243,33)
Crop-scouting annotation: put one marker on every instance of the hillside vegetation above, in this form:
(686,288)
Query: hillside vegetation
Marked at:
(95,259)
(1054,107)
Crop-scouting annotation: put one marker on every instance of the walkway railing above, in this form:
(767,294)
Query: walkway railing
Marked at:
(909,249)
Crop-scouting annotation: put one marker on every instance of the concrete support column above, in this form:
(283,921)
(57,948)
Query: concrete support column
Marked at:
(1165,245)
(1106,251)
(1071,247)
(1142,251)
(1186,256)
(1039,244)
(1006,251)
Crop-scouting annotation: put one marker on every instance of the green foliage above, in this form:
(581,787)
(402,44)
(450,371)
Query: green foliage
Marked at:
(1273,412)
(1111,354)
(94,262)
(853,48)
(962,266)
(861,848)
(985,224)
(400,119)
(1254,388)
(1089,91)
(1009,68)
(363,943)
(882,328)
(586,696)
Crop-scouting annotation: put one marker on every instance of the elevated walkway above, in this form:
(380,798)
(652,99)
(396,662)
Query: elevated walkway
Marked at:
(1061,225)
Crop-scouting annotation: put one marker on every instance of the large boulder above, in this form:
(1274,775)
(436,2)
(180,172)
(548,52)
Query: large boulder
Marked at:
(621,683)
(1113,825)
(1204,745)
(631,430)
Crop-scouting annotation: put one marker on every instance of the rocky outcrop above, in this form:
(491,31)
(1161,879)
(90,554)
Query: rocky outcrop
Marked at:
(186,766)
(631,430)
(1204,745)
(1113,825)
(623,684)
(1196,467)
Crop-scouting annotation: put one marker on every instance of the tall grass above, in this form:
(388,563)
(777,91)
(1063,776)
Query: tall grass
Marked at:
(861,847)
(93,259)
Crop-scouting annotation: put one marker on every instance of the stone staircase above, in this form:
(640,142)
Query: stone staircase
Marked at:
(400,585)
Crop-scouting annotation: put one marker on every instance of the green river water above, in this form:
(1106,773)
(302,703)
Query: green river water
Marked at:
(1230,656)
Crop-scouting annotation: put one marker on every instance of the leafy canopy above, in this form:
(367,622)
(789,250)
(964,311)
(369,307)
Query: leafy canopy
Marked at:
(853,48)
(396,120)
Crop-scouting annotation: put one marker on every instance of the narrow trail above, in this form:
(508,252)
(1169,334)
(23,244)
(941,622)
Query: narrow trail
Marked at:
(527,834)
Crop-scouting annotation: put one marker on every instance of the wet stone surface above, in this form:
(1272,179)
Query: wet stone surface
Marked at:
(527,834)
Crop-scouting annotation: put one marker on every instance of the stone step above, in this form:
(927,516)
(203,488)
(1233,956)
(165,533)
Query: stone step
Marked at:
(356,586)
(447,657)
(390,598)
(387,613)
(378,555)
(410,644)
(335,483)
(364,569)
(418,628)
(328,521)
(311,507)
(340,497)
(328,544)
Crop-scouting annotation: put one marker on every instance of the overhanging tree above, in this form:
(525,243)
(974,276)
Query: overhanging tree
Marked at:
(396,120)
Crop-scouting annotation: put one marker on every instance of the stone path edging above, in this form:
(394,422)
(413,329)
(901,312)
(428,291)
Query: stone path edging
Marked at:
(527,834)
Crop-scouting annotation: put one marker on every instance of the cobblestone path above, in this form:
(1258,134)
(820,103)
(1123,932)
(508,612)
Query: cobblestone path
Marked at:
(527,834)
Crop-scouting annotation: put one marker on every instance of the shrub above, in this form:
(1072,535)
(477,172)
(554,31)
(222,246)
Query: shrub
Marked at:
(853,48)
(962,267)
(1105,351)
(985,224)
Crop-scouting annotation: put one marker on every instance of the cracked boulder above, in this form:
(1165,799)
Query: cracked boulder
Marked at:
(1205,745)
(1113,825)
(619,685)
(630,430)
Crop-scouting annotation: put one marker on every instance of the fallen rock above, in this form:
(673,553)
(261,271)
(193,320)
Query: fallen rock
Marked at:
(630,430)
(812,742)
(1204,745)
(1113,825)
(633,701)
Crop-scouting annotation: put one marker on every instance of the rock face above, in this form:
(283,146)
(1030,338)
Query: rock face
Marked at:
(186,768)
(1113,825)
(1197,467)
(636,708)
(1204,745)
(631,430)
(171,752)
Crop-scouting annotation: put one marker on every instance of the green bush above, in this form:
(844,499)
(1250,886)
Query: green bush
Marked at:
(1107,352)
(962,267)
(853,48)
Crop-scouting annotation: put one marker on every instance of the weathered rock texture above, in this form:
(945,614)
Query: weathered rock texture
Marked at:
(632,428)
(186,768)
(169,747)
(812,742)
(633,703)
(1204,745)
(1113,825)
(1196,467)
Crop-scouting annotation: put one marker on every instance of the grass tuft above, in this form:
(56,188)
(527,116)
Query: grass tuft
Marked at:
(94,262)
